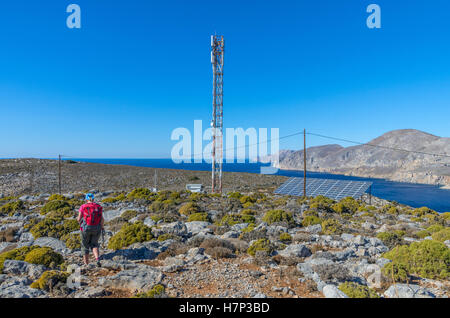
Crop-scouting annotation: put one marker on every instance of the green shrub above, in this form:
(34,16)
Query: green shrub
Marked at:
(273,216)
(235,195)
(189,208)
(390,239)
(49,279)
(54,205)
(311,220)
(355,290)
(161,206)
(331,227)
(57,197)
(166,236)
(420,212)
(442,235)
(118,198)
(62,213)
(285,237)
(346,205)
(231,219)
(196,196)
(429,231)
(140,194)
(321,203)
(445,216)
(129,234)
(202,216)
(12,207)
(158,291)
(53,227)
(427,259)
(72,241)
(129,214)
(44,256)
(261,245)
(17,254)
(247,199)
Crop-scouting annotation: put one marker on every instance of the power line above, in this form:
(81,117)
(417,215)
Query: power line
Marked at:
(317,135)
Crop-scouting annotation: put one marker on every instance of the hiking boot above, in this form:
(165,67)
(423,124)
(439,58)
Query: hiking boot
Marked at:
(99,264)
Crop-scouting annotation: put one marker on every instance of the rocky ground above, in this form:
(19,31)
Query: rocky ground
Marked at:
(250,244)
(33,176)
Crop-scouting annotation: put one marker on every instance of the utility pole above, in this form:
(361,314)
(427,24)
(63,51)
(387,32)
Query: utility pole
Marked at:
(304,163)
(217,57)
(59,173)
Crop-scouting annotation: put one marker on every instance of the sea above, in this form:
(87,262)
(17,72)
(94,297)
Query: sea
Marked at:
(412,194)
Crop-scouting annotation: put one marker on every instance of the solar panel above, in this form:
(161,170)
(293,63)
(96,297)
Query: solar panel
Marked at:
(334,189)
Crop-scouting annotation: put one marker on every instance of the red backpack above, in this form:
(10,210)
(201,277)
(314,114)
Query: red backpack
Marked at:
(92,216)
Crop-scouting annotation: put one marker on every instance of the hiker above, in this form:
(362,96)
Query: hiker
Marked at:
(90,217)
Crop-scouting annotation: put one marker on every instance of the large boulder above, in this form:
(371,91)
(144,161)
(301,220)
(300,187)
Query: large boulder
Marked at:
(176,228)
(296,250)
(331,291)
(196,227)
(55,244)
(18,287)
(112,214)
(139,279)
(408,291)
(20,268)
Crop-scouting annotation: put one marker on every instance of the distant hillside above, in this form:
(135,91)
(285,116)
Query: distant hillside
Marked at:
(368,161)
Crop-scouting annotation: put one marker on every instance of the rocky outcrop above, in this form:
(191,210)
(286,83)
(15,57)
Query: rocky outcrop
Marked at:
(380,161)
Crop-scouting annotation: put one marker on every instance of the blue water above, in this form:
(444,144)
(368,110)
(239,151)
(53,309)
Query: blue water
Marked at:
(412,194)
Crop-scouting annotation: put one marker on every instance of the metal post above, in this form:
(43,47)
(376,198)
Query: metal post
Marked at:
(59,173)
(304,163)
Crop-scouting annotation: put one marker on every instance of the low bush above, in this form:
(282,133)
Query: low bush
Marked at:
(189,208)
(130,234)
(346,205)
(166,236)
(311,220)
(12,207)
(442,235)
(331,227)
(57,197)
(54,227)
(420,212)
(429,231)
(390,239)
(427,259)
(285,237)
(129,214)
(117,198)
(321,203)
(44,256)
(49,279)
(355,290)
(17,254)
(202,216)
(262,245)
(72,241)
(140,194)
(158,291)
(54,206)
(274,216)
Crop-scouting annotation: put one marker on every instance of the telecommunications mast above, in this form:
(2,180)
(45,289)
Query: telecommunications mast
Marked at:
(217,54)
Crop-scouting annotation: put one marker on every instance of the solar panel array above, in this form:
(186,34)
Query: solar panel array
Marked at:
(334,189)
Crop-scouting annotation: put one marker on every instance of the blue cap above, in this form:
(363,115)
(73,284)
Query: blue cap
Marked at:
(89,197)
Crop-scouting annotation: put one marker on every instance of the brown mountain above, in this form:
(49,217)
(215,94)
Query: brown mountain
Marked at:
(378,162)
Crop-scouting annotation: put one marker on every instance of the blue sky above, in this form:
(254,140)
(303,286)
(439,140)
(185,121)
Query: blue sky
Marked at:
(137,69)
